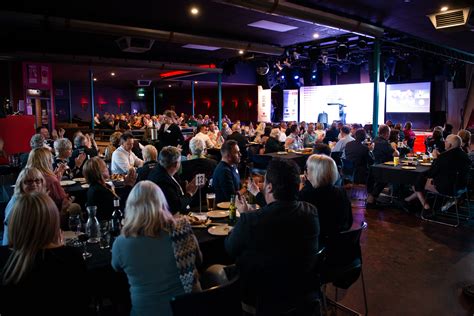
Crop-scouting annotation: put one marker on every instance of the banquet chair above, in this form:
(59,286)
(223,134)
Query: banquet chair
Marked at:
(216,301)
(456,195)
(342,265)
(348,173)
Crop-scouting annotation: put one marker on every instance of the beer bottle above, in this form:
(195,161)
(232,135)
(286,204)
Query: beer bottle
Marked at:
(232,211)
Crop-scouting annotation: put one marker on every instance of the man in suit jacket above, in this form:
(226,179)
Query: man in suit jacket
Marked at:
(453,164)
(240,139)
(163,175)
(170,133)
(275,246)
(226,178)
(360,155)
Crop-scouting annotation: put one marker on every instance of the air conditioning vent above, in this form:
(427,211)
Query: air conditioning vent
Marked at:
(143,83)
(134,45)
(453,20)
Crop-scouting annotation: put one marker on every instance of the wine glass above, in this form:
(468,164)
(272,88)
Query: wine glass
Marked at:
(75,224)
(104,241)
(83,240)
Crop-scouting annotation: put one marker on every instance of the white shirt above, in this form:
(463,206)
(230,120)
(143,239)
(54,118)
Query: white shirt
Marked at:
(341,144)
(123,160)
(282,137)
(205,138)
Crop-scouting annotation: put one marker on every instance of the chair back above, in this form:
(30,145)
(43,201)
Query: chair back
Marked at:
(216,301)
(347,169)
(336,155)
(343,261)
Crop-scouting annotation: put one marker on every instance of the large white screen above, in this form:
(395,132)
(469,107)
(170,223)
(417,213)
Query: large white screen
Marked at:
(290,105)
(358,99)
(409,97)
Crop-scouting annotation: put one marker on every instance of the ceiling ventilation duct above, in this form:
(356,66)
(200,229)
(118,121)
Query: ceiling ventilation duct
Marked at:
(143,83)
(134,45)
(453,20)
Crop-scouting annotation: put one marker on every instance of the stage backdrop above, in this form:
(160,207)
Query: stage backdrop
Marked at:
(264,104)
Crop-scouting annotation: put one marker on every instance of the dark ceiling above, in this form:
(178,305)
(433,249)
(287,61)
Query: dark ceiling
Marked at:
(215,20)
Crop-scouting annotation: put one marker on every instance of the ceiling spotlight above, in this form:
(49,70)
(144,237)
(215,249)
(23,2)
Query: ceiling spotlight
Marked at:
(444,9)
(296,77)
(241,52)
(195,82)
(95,79)
(316,35)
(194,11)
(169,86)
(362,44)
(112,74)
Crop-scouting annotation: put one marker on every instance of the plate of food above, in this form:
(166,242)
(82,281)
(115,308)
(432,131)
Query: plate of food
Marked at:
(85,186)
(282,153)
(409,168)
(117,177)
(198,221)
(389,163)
(223,205)
(218,214)
(220,230)
(67,182)
(428,164)
(79,179)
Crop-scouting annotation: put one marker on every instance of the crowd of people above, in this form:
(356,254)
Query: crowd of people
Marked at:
(157,249)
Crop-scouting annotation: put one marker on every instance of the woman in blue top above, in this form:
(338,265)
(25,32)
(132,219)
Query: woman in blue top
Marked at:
(157,251)
(29,180)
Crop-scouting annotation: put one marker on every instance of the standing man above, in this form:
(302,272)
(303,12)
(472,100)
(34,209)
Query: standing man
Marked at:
(275,246)
(123,158)
(170,133)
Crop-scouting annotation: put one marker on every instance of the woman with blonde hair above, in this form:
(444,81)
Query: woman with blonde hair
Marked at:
(29,180)
(151,237)
(334,207)
(41,159)
(37,256)
(114,144)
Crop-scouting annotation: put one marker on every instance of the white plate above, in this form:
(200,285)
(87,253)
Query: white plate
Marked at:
(67,182)
(220,230)
(282,153)
(85,186)
(409,168)
(79,179)
(223,205)
(218,214)
(68,234)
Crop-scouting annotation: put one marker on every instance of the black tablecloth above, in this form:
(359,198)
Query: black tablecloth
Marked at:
(397,175)
(300,159)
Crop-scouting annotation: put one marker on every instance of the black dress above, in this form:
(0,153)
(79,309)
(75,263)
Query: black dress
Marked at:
(57,285)
(98,195)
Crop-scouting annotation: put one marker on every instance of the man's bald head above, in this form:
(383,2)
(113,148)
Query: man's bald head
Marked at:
(454,141)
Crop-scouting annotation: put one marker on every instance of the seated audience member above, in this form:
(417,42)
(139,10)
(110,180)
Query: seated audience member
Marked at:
(259,132)
(466,139)
(360,155)
(41,159)
(63,149)
(345,138)
(436,141)
(276,270)
(43,131)
(112,146)
(389,124)
(123,158)
(240,139)
(36,141)
(383,152)
(203,135)
(226,178)
(36,257)
(151,237)
(163,175)
(266,135)
(226,130)
(398,127)
(282,137)
(214,135)
(322,149)
(101,194)
(471,150)
(197,149)
(447,130)
(29,180)
(320,132)
(293,141)
(150,156)
(409,135)
(83,146)
(331,134)
(272,145)
(333,205)
(451,166)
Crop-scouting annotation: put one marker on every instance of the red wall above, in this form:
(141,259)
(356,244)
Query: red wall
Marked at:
(239,102)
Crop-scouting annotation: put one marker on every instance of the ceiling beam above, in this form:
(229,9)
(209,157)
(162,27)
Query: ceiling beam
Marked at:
(36,20)
(297,12)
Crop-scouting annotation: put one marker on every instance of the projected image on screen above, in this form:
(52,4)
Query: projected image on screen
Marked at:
(352,102)
(409,97)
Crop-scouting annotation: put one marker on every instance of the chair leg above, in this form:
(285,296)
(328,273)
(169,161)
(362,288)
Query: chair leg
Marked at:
(433,212)
(365,293)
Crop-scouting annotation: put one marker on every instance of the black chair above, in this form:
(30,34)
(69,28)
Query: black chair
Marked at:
(336,155)
(343,264)
(216,301)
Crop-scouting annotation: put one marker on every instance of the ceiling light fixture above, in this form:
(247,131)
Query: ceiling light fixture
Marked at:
(195,82)
(241,52)
(169,86)
(95,79)
(112,74)
(444,9)
(316,35)
(194,11)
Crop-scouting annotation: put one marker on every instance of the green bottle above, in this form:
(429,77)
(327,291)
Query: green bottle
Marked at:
(232,211)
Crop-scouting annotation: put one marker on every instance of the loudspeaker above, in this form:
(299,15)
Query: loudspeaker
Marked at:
(134,45)
(438,118)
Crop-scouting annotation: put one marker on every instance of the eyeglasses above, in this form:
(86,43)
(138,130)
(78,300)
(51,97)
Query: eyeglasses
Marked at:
(33,181)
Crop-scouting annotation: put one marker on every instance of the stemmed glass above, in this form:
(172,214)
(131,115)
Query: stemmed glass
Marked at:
(104,235)
(83,240)
(75,225)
